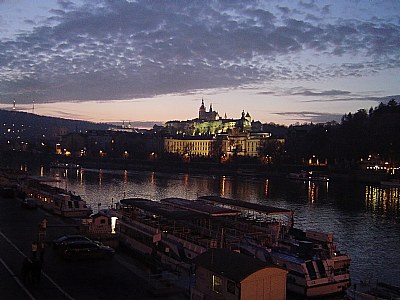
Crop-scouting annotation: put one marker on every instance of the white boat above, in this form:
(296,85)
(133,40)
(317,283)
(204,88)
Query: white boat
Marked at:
(315,267)
(303,175)
(308,176)
(56,200)
(318,177)
(176,230)
(62,165)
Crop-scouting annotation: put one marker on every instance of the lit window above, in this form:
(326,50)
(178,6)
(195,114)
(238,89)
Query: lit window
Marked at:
(217,284)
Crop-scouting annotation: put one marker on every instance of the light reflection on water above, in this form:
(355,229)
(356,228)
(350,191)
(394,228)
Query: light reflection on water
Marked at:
(365,220)
(382,200)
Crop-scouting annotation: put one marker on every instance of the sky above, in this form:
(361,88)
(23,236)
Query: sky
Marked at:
(150,61)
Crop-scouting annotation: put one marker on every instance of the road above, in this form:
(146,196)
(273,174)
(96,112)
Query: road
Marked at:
(119,278)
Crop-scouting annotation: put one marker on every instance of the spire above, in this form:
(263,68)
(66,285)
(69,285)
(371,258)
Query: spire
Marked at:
(210,107)
(202,107)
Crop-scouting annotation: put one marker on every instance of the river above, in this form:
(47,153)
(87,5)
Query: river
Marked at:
(365,219)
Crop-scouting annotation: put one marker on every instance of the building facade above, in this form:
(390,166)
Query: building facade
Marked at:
(192,146)
(244,144)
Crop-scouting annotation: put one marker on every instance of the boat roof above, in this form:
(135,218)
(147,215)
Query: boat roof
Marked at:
(201,207)
(44,179)
(159,208)
(247,205)
(232,265)
(288,257)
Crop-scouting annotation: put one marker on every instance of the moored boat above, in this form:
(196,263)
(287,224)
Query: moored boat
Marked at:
(175,230)
(308,176)
(62,165)
(55,200)
(315,267)
(303,175)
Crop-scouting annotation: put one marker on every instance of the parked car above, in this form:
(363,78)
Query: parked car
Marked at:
(61,241)
(7,192)
(86,250)
(30,203)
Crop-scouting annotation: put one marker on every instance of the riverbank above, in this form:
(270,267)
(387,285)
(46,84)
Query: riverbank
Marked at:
(9,159)
(123,277)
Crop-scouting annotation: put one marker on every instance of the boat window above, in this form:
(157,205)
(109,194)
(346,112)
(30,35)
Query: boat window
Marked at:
(311,270)
(69,204)
(76,204)
(217,284)
(230,287)
(321,268)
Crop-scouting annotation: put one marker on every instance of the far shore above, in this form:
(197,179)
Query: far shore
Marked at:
(252,170)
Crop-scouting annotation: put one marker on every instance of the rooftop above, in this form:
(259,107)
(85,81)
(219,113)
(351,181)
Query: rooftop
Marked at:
(230,264)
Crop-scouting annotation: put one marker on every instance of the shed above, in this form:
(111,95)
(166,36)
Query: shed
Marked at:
(226,274)
(97,225)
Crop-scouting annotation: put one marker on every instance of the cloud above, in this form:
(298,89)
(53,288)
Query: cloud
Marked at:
(323,117)
(266,93)
(308,92)
(336,95)
(383,99)
(310,116)
(124,50)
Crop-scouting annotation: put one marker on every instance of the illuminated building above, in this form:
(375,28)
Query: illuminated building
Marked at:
(192,146)
(245,144)
(209,135)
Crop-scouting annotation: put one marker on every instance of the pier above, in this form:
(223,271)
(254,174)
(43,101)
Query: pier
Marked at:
(123,277)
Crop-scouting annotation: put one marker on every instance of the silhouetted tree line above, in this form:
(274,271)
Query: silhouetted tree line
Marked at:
(360,134)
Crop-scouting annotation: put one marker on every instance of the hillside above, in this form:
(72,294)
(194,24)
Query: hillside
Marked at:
(28,127)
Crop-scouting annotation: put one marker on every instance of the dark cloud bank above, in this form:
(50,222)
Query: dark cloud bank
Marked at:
(123,50)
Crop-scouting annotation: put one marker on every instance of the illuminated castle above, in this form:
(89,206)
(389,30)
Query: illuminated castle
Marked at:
(210,123)
(210,135)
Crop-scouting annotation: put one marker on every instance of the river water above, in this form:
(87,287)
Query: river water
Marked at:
(365,219)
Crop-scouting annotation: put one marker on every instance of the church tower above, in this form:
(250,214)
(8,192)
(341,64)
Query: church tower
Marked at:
(248,117)
(202,110)
(205,115)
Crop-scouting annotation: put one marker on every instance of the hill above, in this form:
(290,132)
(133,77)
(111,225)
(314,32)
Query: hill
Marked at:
(22,127)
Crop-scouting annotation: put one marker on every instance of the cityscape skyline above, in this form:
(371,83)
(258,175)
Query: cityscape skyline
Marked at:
(151,62)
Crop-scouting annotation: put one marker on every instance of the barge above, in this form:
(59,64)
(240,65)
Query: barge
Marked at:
(174,231)
(56,200)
